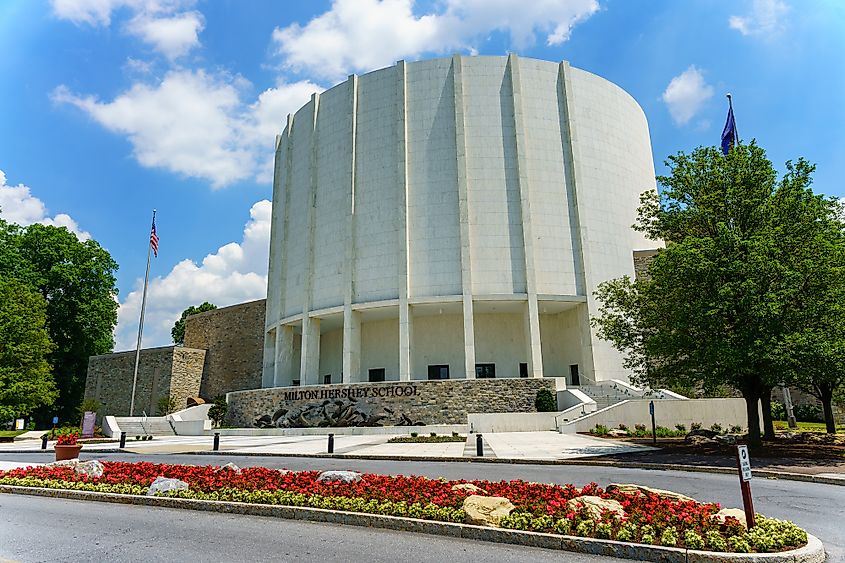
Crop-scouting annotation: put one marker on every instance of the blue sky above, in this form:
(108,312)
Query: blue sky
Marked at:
(110,108)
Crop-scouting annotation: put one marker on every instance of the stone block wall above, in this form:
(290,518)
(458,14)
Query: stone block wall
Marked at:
(233,338)
(428,402)
(642,258)
(167,371)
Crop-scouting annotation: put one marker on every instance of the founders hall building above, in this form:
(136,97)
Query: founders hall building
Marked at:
(450,219)
(438,230)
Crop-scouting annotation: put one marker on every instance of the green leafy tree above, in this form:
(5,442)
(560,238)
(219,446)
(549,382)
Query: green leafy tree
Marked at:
(76,279)
(178,331)
(721,302)
(218,410)
(26,381)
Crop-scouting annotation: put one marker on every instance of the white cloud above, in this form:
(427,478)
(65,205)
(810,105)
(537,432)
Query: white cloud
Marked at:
(172,36)
(686,94)
(237,272)
(362,35)
(162,24)
(197,124)
(766,17)
(18,205)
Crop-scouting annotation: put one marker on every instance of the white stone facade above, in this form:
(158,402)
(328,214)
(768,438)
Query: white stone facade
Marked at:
(452,212)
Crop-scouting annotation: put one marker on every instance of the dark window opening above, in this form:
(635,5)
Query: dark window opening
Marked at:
(327,379)
(523,369)
(575,378)
(438,372)
(295,383)
(376,375)
(485,371)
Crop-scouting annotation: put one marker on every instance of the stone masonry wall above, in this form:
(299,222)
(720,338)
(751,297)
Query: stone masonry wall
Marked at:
(233,338)
(161,372)
(642,258)
(429,402)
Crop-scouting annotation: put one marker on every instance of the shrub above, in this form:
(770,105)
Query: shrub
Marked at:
(736,429)
(414,434)
(693,540)
(166,405)
(585,528)
(669,537)
(627,532)
(695,426)
(217,412)
(600,430)
(545,401)
(715,541)
(808,413)
(681,428)
(89,405)
(604,530)
(716,427)
(647,534)
(623,427)
(563,526)
(639,427)
(778,411)
(433,434)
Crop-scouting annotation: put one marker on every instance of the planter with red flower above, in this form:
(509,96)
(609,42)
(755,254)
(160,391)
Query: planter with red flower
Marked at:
(66,445)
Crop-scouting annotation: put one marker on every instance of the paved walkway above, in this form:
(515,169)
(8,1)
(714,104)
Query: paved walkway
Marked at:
(505,445)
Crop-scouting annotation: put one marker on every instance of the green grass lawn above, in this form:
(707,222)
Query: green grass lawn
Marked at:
(10,433)
(808,427)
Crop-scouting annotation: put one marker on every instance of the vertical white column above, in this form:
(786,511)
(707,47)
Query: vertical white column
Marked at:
(309,366)
(269,364)
(351,320)
(405,319)
(573,173)
(463,210)
(535,356)
(284,356)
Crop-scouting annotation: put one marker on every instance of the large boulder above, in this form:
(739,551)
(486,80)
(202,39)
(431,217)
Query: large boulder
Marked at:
(617,433)
(705,432)
(228,467)
(92,468)
(726,440)
(632,489)
(164,484)
(342,476)
(596,505)
(486,511)
(725,513)
(699,440)
(469,487)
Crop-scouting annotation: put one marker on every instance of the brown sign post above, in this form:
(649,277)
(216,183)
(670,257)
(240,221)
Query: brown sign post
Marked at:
(743,463)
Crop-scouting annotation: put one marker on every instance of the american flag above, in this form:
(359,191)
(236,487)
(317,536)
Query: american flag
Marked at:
(154,239)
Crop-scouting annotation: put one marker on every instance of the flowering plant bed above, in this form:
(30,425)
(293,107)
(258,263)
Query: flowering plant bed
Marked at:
(643,517)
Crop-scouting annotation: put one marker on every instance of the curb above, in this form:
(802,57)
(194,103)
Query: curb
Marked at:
(813,552)
(762,473)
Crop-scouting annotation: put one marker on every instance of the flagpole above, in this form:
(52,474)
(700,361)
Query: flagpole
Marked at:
(141,325)
(731,106)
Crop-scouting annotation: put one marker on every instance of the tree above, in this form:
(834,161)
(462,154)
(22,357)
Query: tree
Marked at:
(178,331)
(26,381)
(76,279)
(724,297)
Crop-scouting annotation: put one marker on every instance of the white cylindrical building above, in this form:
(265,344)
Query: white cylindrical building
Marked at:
(450,218)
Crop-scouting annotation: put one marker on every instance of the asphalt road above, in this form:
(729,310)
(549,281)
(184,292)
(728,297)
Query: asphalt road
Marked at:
(818,508)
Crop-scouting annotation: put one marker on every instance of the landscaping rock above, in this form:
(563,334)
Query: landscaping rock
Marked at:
(617,433)
(702,432)
(229,467)
(469,487)
(726,440)
(164,484)
(92,468)
(630,488)
(737,513)
(596,505)
(342,476)
(699,440)
(486,511)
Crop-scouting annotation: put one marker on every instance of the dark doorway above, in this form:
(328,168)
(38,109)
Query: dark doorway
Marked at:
(574,377)
(523,369)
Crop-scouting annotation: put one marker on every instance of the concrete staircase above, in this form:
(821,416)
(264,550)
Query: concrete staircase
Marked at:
(151,426)
(606,395)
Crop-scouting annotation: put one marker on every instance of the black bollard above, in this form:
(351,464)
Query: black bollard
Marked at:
(44,441)
(122,440)
(216,441)
(331,443)
(479,446)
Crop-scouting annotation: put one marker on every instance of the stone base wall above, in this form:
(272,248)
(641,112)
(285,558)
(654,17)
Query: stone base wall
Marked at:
(383,404)
(169,371)
(233,338)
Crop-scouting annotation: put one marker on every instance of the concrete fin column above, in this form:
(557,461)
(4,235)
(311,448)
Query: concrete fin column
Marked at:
(351,320)
(310,339)
(309,369)
(405,319)
(351,346)
(284,356)
(535,356)
(573,173)
(268,366)
(463,210)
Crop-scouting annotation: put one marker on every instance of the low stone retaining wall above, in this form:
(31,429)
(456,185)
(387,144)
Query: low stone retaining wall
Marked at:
(404,403)
(813,552)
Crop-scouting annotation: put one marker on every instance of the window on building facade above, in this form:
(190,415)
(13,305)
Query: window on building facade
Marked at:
(376,374)
(485,371)
(295,383)
(327,379)
(438,372)
(523,369)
